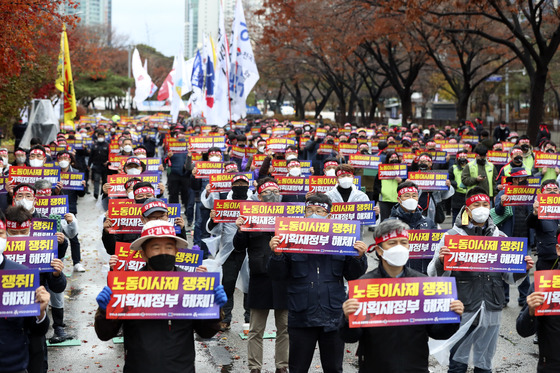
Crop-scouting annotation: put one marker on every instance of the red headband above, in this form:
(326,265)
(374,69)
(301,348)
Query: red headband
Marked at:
(519,173)
(424,158)
(330,163)
(293,164)
(24,189)
(37,151)
(143,190)
(340,173)
(478,198)
(268,184)
(543,187)
(19,152)
(323,205)
(2,224)
(391,235)
(151,205)
(3,152)
(130,183)
(44,192)
(215,153)
(231,167)
(18,226)
(239,177)
(161,230)
(407,190)
(140,150)
(133,160)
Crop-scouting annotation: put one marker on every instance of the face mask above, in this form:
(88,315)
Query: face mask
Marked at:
(397,256)
(5,159)
(20,159)
(113,130)
(140,200)
(133,171)
(345,182)
(138,129)
(269,131)
(165,127)
(423,166)
(214,159)
(3,243)
(271,197)
(462,161)
(64,164)
(331,172)
(480,214)
(143,156)
(130,195)
(524,182)
(394,161)
(239,191)
(317,216)
(101,139)
(410,204)
(295,171)
(291,156)
(261,149)
(36,162)
(27,204)
(162,262)
(518,159)
(525,147)
(127,148)
(481,162)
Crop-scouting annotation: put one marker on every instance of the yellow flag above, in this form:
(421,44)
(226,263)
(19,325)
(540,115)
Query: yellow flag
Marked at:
(64,82)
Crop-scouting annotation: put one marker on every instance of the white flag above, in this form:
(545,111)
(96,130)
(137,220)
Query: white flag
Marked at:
(177,91)
(141,78)
(196,103)
(219,113)
(243,72)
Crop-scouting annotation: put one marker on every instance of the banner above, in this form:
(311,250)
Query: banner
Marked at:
(325,149)
(391,171)
(429,180)
(549,206)
(188,259)
(422,243)
(51,205)
(33,252)
(64,82)
(152,164)
(364,161)
(322,184)
(261,216)
(292,186)
(128,260)
(227,211)
(17,291)
(280,167)
(177,146)
(43,227)
(451,149)
(117,182)
(72,180)
(486,254)
(520,195)
(201,144)
(346,149)
(240,153)
(360,211)
(116,161)
(125,215)
(403,301)
(531,180)
(221,183)
(29,175)
(497,158)
(408,158)
(546,160)
(205,168)
(162,295)
(548,282)
(317,236)
(258,160)
(278,145)
(438,157)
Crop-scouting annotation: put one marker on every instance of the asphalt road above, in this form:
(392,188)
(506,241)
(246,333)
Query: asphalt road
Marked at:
(226,352)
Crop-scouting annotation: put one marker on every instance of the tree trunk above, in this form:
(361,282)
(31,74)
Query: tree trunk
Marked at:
(298,103)
(319,108)
(406,106)
(536,111)
(462,106)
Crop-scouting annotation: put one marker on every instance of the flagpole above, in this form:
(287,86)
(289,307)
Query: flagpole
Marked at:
(63,75)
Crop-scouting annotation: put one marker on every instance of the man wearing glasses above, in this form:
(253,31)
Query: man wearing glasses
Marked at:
(546,230)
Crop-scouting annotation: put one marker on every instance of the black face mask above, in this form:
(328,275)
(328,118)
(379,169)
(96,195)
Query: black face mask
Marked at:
(330,142)
(462,161)
(142,200)
(550,151)
(394,161)
(364,151)
(524,182)
(423,166)
(481,162)
(518,159)
(162,262)
(525,147)
(239,192)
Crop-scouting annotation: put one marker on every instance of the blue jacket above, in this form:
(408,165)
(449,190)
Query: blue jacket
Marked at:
(177,164)
(316,286)
(14,333)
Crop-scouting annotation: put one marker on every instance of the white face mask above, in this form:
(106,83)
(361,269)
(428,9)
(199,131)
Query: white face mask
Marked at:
(64,164)
(36,162)
(345,182)
(101,139)
(20,159)
(134,171)
(3,243)
(291,156)
(130,195)
(295,171)
(127,148)
(261,149)
(5,160)
(138,129)
(214,159)
(410,204)
(397,256)
(331,172)
(27,204)
(480,214)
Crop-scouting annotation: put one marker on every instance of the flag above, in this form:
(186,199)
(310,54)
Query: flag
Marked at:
(210,73)
(64,82)
(142,80)
(177,91)
(219,113)
(153,88)
(196,100)
(243,72)
(163,93)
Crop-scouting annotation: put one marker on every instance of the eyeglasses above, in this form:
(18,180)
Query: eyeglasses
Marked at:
(318,211)
(267,192)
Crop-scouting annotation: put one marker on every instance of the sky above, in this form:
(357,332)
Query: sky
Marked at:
(158,23)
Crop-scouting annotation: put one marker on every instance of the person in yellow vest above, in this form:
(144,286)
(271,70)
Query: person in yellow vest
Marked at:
(480,172)
(455,172)
(385,191)
(547,173)
(528,157)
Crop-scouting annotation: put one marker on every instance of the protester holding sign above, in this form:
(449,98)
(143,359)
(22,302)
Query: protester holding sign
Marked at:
(455,172)
(394,348)
(315,295)
(408,212)
(480,172)
(385,190)
(431,201)
(157,345)
(481,292)
(345,190)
